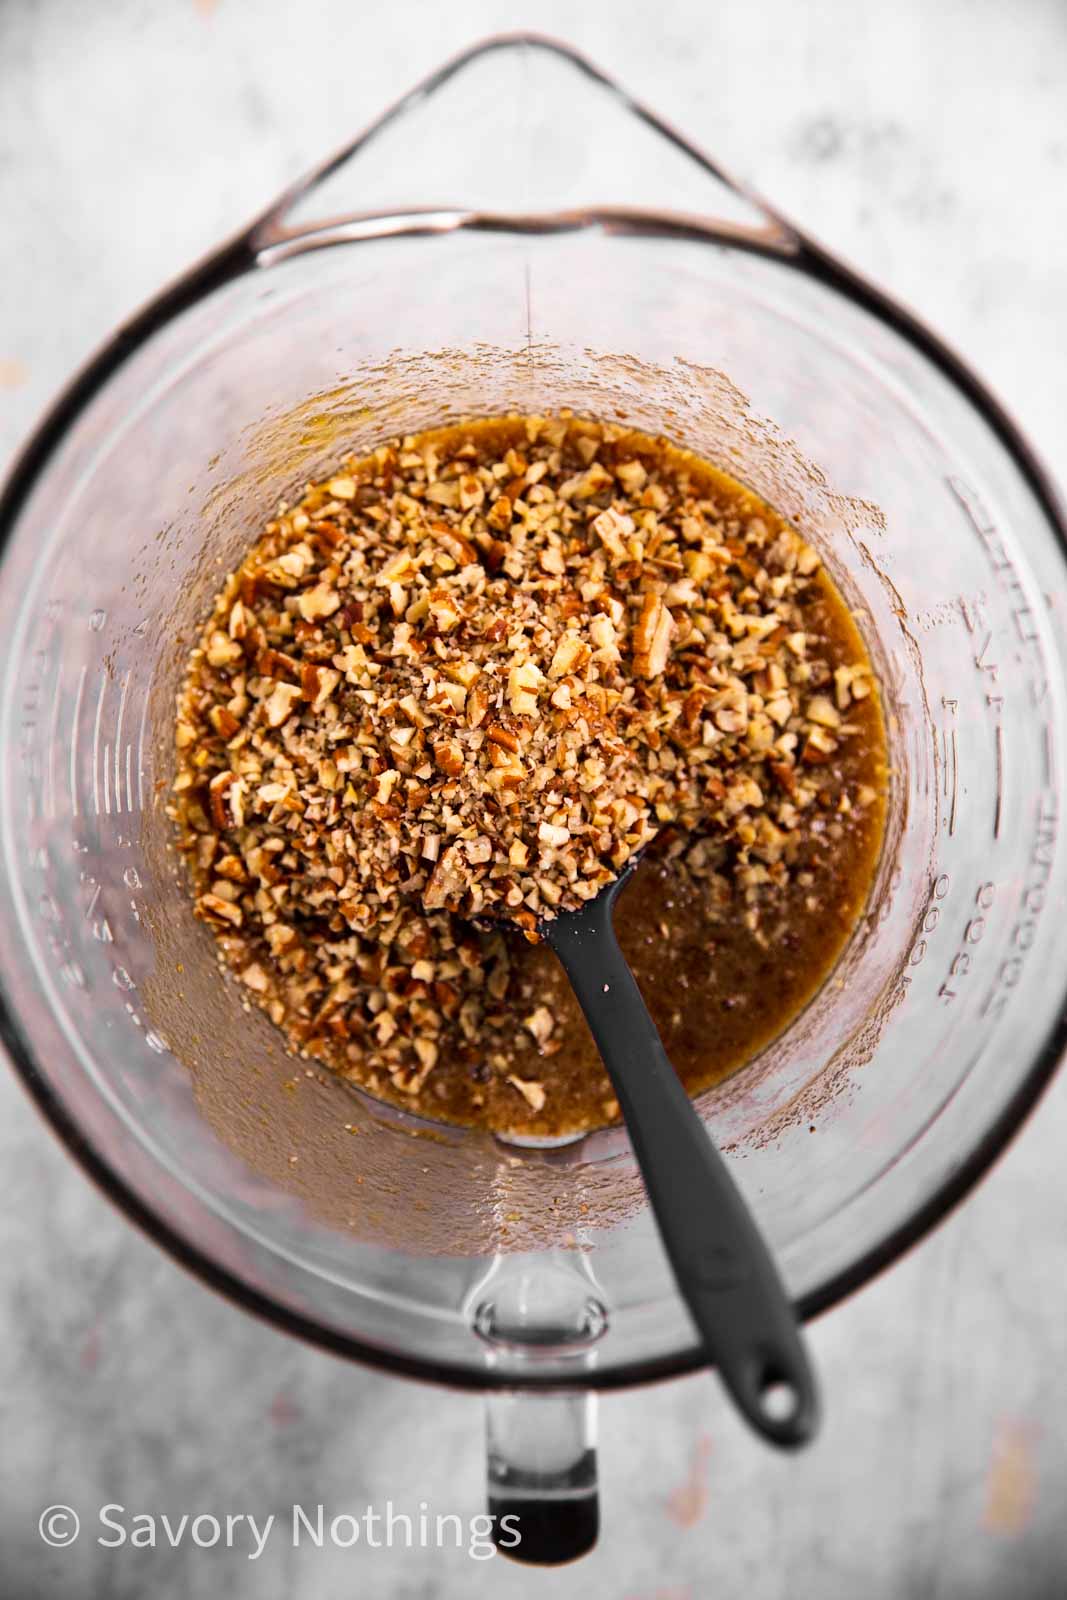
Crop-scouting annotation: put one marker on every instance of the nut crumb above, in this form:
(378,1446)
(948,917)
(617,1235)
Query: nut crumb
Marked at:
(532,1092)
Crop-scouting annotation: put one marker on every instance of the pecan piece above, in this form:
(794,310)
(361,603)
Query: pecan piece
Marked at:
(448,881)
(652,634)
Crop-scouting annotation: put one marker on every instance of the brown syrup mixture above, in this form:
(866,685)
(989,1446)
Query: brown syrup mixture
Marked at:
(725,968)
(718,992)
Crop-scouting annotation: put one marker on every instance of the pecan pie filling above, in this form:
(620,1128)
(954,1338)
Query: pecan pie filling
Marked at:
(469,676)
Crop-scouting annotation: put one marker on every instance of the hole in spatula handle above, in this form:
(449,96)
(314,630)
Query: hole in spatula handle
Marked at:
(788,1409)
(780,1402)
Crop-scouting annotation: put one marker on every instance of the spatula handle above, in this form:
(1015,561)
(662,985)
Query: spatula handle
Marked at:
(723,1267)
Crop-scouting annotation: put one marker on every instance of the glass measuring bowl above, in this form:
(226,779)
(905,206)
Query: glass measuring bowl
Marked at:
(519,234)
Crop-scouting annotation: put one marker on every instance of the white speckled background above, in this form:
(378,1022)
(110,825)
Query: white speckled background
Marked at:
(928,143)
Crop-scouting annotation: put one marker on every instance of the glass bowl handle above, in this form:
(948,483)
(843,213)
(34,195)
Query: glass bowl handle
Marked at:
(542,1475)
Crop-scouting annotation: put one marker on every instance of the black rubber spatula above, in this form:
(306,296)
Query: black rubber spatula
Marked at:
(722,1266)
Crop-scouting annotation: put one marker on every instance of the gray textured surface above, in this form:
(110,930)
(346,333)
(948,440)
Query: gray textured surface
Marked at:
(928,145)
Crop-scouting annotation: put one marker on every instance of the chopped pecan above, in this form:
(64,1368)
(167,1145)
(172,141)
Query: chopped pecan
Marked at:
(448,881)
(220,811)
(468,677)
(652,636)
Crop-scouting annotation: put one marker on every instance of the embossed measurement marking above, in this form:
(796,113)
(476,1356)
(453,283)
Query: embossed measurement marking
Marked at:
(998,804)
(973,934)
(931,918)
(99,926)
(79,696)
(58,713)
(140,759)
(1032,903)
(53,744)
(1009,580)
(950,760)
(96,744)
(974,620)
(123,692)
